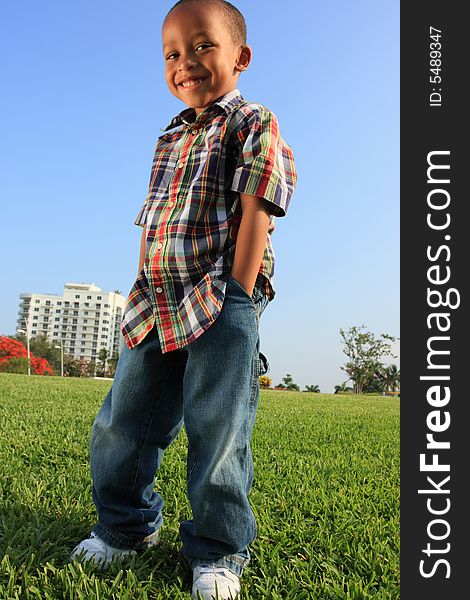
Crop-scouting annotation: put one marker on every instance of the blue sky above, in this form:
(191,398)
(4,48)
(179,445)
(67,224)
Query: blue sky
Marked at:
(83,101)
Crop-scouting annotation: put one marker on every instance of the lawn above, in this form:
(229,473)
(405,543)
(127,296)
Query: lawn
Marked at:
(325,496)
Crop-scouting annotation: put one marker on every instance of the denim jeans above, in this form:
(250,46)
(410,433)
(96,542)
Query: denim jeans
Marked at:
(212,387)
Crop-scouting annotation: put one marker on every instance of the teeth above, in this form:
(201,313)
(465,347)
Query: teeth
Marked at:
(190,83)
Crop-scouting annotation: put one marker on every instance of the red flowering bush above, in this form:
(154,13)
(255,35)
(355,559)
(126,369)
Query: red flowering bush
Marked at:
(14,358)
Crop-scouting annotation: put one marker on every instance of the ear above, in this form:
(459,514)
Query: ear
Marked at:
(244,59)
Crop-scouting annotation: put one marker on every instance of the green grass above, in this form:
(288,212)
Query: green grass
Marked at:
(325,496)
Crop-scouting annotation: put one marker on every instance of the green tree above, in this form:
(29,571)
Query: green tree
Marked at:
(112,364)
(342,389)
(41,347)
(91,368)
(364,352)
(390,378)
(312,388)
(288,383)
(103,356)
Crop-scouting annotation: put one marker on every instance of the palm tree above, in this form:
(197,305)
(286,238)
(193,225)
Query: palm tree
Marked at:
(342,389)
(391,376)
(103,357)
(312,388)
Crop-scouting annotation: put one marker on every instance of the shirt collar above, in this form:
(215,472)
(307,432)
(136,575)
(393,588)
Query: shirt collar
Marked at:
(188,116)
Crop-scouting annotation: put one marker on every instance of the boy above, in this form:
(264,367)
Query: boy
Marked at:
(191,323)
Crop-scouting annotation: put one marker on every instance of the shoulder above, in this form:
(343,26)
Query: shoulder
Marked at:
(253,119)
(254,111)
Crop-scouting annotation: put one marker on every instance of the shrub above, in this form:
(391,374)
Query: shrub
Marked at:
(14,358)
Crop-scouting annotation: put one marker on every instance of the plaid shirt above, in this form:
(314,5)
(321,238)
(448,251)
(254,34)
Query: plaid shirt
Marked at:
(192,213)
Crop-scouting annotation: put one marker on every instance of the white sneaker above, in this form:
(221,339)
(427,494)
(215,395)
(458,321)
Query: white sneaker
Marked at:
(212,582)
(100,553)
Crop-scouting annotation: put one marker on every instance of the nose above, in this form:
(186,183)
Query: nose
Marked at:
(187,62)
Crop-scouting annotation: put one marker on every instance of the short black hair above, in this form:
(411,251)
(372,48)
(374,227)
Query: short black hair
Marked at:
(232,18)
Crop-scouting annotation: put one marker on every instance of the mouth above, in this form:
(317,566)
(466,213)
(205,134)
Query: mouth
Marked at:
(190,84)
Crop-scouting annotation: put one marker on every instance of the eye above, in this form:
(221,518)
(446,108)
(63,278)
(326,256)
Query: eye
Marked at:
(205,45)
(170,55)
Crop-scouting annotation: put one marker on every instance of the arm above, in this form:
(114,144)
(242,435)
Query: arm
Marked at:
(251,240)
(143,240)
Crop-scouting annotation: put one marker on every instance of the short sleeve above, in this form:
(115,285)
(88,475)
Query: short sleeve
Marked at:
(265,165)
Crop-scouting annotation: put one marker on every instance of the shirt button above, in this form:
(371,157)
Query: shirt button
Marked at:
(159,290)
(171,204)
(194,131)
(181,165)
(159,245)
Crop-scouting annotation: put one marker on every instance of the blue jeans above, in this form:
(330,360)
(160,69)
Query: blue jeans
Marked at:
(212,387)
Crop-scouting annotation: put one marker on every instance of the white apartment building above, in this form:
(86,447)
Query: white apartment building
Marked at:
(84,319)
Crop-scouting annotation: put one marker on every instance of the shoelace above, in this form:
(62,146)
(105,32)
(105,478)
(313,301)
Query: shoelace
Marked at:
(209,569)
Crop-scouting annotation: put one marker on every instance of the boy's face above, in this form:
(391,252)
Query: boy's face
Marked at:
(197,45)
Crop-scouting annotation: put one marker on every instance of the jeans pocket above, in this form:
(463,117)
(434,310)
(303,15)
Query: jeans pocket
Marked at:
(239,285)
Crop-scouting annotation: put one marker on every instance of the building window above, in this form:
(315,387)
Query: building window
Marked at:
(36,310)
(56,327)
(48,302)
(35,324)
(35,317)
(98,297)
(37,301)
(74,320)
(98,305)
(74,328)
(85,321)
(88,297)
(77,295)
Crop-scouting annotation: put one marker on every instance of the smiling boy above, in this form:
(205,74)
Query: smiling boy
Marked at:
(221,172)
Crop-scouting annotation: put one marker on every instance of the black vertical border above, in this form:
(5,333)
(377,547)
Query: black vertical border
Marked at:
(425,129)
